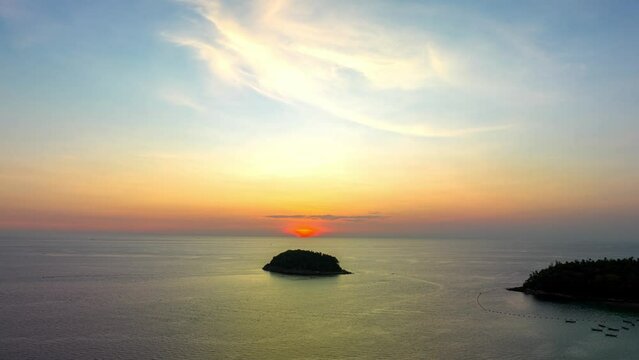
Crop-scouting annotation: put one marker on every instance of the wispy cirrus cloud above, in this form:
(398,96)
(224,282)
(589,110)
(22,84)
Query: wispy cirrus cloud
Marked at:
(357,69)
(330,217)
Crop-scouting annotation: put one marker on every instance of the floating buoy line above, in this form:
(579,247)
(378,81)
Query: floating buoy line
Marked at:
(601,327)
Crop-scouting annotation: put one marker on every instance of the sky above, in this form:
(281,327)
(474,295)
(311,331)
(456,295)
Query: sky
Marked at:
(436,119)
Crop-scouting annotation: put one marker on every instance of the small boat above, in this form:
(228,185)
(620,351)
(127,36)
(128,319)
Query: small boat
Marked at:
(602,325)
(597,329)
(611,335)
(613,329)
(627,321)
(571,321)
(625,328)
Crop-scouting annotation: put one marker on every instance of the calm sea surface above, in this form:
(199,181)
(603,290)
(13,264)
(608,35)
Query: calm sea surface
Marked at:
(196,298)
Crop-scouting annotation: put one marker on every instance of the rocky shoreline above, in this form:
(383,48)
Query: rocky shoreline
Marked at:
(304,272)
(568,297)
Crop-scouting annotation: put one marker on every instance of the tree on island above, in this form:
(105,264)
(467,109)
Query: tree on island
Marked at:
(305,262)
(607,279)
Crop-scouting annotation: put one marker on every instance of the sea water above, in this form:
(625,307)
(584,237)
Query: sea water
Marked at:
(207,298)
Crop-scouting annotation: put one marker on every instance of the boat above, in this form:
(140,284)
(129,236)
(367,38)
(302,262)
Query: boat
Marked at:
(611,335)
(597,329)
(571,321)
(625,328)
(613,329)
(602,325)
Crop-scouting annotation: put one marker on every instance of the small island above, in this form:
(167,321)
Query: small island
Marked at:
(305,262)
(607,280)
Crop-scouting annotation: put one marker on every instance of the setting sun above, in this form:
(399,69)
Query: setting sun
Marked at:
(305,232)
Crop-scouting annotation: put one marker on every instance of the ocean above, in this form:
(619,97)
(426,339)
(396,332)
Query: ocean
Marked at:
(173,297)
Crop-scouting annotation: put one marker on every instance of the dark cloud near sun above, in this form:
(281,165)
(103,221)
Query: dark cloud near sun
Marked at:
(330,217)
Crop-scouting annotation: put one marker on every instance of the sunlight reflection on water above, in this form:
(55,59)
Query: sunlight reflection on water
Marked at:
(209,298)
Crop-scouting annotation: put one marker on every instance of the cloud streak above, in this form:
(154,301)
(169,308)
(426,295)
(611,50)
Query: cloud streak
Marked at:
(330,217)
(347,67)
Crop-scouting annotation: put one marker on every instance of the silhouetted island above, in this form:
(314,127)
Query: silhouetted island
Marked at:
(608,280)
(304,262)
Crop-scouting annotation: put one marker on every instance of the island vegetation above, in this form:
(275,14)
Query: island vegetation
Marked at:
(305,262)
(610,280)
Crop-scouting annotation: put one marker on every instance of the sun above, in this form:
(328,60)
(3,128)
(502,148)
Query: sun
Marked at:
(305,232)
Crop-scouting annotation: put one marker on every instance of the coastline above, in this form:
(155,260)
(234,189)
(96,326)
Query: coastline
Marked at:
(546,295)
(303,272)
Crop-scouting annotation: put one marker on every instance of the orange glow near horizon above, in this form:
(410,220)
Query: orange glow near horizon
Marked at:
(305,232)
